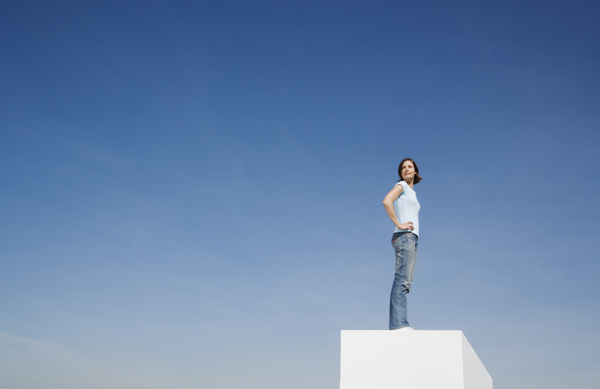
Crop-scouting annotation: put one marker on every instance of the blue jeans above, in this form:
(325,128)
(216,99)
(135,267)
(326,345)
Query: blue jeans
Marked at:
(405,245)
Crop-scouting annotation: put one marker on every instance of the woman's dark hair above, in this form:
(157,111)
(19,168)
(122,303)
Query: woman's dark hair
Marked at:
(417,176)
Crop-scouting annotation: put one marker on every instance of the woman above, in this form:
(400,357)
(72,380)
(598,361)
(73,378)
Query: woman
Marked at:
(402,207)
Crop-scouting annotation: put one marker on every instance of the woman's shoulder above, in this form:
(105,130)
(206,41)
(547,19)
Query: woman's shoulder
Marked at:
(403,184)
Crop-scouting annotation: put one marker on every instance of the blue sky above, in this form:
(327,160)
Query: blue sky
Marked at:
(191,191)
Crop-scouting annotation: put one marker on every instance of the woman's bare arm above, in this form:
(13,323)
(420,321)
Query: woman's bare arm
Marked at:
(388,203)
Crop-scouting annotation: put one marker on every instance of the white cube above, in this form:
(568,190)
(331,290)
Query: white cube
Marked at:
(405,359)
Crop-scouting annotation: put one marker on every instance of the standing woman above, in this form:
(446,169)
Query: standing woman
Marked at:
(402,207)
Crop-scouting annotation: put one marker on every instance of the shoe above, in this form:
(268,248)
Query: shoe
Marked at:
(403,328)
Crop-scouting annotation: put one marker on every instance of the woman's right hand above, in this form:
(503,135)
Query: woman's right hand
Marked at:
(406,226)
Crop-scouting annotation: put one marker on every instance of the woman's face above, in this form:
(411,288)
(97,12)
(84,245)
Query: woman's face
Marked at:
(408,171)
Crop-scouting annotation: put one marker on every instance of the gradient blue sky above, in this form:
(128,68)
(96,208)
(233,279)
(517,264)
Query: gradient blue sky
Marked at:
(191,191)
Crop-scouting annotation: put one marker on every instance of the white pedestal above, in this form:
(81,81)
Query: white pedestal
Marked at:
(405,359)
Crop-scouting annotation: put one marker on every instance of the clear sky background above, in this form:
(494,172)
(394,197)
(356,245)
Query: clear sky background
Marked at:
(191,191)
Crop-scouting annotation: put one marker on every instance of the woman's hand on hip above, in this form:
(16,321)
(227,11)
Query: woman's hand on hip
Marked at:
(406,226)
